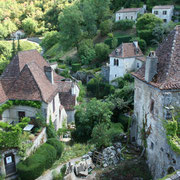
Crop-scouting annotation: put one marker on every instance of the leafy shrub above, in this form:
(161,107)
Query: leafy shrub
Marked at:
(124,24)
(97,88)
(34,165)
(61,175)
(76,67)
(141,42)
(86,51)
(120,39)
(102,51)
(50,130)
(82,92)
(57,145)
(104,135)
(62,66)
(106,27)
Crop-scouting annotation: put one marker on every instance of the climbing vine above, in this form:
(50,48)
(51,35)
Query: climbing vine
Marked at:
(172,128)
(10,103)
(10,135)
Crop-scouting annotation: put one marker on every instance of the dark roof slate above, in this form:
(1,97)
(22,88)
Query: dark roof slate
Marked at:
(168,68)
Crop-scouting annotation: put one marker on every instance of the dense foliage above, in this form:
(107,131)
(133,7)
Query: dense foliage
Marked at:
(35,164)
(10,135)
(88,115)
(172,128)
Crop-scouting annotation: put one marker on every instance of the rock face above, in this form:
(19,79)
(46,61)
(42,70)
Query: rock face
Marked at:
(112,155)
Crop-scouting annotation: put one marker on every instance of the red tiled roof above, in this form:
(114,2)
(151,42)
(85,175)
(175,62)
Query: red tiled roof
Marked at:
(128,10)
(25,79)
(67,100)
(65,86)
(168,68)
(2,94)
(163,7)
(127,50)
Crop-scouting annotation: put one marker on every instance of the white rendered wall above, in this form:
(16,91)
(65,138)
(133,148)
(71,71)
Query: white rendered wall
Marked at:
(160,14)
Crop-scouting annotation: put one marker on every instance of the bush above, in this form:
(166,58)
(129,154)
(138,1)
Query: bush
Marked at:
(76,67)
(123,25)
(141,42)
(102,51)
(120,40)
(50,130)
(34,165)
(57,145)
(106,27)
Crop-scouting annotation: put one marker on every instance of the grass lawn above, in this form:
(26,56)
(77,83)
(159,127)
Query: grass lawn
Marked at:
(71,152)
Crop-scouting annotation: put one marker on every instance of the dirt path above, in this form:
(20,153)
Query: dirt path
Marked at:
(47,175)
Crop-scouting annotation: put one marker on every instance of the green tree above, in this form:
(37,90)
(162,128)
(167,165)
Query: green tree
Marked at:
(86,51)
(3,31)
(70,21)
(145,25)
(29,25)
(102,51)
(89,16)
(50,39)
(88,115)
(106,27)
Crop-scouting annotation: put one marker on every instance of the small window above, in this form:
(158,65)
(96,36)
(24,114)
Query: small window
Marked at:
(0,117)
(126,17)
(164,12)
(119,17)
(116,62)
(165,20)
(156,12)
(131,17)
(137,65)
(152,106)
(115,75)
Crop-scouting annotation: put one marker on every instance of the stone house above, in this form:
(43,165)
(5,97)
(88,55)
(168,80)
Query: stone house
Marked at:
(68,93)
(129,13)
(19,34)
(164,12)
(157,89)
(29,77)
(125,58)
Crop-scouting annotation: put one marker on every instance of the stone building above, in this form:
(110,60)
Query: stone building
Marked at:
(129,13)
(157,89)
(29,77)
(164,12)
(125,58)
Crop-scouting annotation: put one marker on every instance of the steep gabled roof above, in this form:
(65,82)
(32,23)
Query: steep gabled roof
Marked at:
(168,68)
(25,79)
(126,50)
(2,94)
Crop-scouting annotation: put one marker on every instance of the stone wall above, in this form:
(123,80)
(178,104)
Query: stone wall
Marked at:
(150,108)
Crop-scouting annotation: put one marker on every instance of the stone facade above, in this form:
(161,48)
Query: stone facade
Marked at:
(163,12)
(150,106)
(129,13)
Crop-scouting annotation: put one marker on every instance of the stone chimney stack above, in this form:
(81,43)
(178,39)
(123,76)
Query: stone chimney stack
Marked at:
(151,66)
(49,73)
(144,6)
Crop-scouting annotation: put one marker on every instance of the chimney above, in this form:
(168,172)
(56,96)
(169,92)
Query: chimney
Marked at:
(135,43)
(122,7)
(151,66)
(49,73)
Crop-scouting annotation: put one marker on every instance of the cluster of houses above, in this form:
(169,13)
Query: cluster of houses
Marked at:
(29,77)
(163,12)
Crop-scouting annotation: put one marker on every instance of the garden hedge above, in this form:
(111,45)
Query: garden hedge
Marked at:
(121,39)
(35,165)
(57,145)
